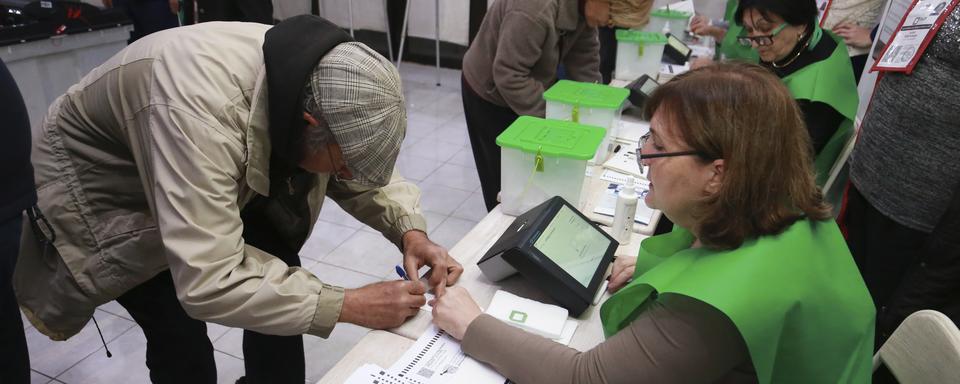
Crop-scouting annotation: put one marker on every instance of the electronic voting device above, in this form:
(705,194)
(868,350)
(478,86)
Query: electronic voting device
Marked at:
(641,89)
(676,51)
(558,249)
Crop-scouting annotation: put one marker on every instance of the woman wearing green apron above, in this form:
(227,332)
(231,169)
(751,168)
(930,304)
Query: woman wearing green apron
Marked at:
(755,284)
(725,33)
(814,65)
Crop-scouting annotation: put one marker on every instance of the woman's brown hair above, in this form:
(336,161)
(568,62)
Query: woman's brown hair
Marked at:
(743,114)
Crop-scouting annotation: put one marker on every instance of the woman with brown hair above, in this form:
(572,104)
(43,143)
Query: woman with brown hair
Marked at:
(755,284)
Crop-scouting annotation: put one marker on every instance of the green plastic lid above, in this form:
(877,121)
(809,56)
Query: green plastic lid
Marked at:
(667,14)
(632,36)
(587,94)
(555,138)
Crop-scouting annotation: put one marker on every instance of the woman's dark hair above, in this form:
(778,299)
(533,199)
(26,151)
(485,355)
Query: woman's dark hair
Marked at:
(794,12)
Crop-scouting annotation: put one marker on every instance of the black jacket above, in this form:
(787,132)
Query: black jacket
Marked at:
(16,172)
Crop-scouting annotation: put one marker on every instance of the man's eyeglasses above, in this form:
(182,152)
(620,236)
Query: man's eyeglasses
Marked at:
(642,156)
(341,172)
(762,41)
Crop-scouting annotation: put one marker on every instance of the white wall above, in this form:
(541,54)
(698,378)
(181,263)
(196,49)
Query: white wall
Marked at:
(283,9)
(371,15)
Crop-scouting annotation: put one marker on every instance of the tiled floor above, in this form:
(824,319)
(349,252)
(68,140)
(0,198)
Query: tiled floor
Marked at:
(436,155)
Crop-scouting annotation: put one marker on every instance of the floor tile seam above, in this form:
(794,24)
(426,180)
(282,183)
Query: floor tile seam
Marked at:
(99,349)
(378,278)
(463,204)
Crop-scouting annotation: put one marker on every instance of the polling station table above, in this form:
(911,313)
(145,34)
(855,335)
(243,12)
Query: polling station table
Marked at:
(385,347)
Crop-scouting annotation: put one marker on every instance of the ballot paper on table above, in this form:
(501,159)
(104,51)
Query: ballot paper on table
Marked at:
(615,177)
(436,358)
(668,71)
(631,131)
(624,161)
(374,374)
(608,202)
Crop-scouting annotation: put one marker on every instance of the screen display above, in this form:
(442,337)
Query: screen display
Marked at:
(573,244)
(648,86)
(678,45)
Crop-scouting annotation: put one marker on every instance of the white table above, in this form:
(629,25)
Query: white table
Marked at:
(385,347)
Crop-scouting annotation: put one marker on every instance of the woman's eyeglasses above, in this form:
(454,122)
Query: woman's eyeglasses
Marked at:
(641,156)
(762,41)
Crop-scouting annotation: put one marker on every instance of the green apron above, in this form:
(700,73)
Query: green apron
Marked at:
(728,48)
(797,299)
(829,81)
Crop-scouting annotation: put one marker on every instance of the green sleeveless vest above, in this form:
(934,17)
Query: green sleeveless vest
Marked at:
(829,81)
(728,47)
(797,299)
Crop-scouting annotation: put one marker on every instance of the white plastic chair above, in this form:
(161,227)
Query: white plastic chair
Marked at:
(925,348)
(836,184)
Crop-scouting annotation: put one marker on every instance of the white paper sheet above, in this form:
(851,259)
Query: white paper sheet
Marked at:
(437,358)
(624,161)
(374,374)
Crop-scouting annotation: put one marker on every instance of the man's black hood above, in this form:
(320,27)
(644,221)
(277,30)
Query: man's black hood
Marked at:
(291,50)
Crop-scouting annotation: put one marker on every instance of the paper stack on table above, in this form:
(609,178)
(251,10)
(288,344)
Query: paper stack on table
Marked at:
(631,131)
(625,162)
(374,374)
(668,71)
(436,358)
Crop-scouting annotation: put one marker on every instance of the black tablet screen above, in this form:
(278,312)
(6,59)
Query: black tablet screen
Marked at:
(573,244)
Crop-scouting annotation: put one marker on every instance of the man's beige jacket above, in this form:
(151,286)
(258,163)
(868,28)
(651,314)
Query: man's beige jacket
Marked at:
(146,164)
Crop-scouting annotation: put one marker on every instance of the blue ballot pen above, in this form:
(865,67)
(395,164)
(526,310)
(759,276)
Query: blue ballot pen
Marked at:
(402,273)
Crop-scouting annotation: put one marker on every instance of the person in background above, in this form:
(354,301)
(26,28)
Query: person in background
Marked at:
(730,165)
(814,65)
(514,58)
(852,20)
(725,33)
(148,16)
(607,34)
(902,212)
(183,175)
(254,11)
(16,196)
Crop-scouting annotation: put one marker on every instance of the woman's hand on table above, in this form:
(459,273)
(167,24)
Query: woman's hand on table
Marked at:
(454,311)
(622,272)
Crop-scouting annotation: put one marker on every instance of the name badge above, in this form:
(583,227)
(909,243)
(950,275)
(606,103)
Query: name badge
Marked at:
(917,27)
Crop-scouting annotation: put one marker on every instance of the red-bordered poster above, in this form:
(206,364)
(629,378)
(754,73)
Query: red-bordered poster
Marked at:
(823,8)
(913,34)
